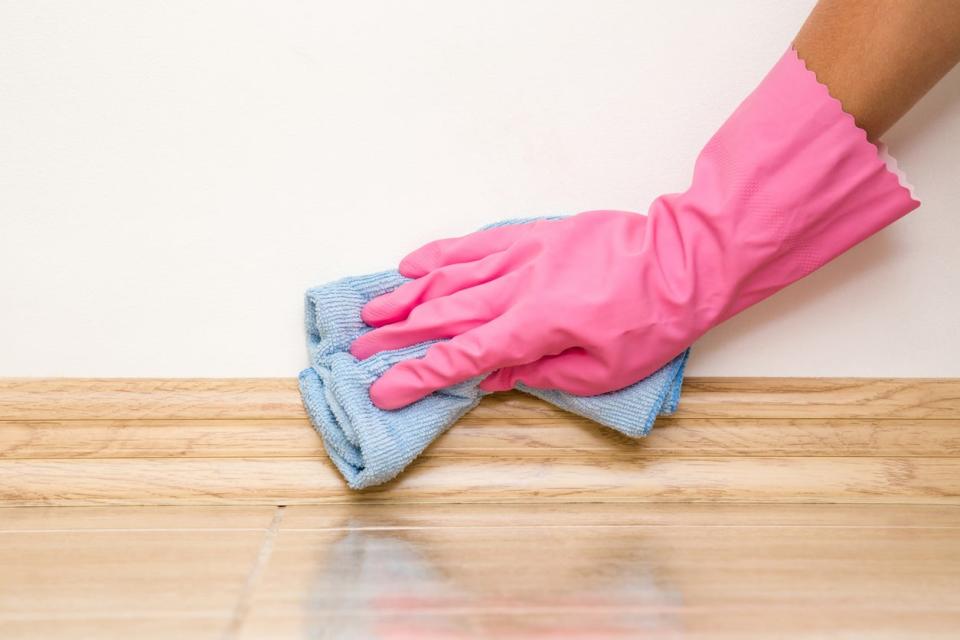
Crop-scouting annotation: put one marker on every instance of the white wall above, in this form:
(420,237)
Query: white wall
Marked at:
(174,175)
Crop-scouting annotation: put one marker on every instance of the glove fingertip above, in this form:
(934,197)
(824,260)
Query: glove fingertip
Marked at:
(389,394)
(420,262)
(359,349)
(375,314)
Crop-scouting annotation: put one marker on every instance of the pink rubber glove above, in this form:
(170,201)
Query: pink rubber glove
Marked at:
(597,301)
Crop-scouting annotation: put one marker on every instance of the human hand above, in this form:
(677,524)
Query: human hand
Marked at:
(550,303)
(595,302)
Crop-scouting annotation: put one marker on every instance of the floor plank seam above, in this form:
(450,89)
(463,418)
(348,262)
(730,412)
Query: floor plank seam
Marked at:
(242,609)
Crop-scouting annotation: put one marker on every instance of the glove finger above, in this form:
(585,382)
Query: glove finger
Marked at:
(397,305)
(437,319)
(466,356)
(473,246)
(574,371)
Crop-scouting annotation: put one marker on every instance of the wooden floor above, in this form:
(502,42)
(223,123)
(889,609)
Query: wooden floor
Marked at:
(765,508)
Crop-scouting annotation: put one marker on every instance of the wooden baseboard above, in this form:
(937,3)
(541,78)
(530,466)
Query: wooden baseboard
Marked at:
(247,441)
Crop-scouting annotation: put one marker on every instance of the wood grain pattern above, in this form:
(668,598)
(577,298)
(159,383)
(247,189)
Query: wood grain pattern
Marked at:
(148,398)
(547,436)
(113,518)
(548,569)
(614,568)
(817,397)
(135,573)
(116,626)
(277,398)
(868,398)
(159,438)
(596,623)
(764,508)
(499,479)
(608,582)
(376,516)
(362,516)
(68,442)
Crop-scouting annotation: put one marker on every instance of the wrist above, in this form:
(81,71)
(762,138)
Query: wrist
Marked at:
(788,183)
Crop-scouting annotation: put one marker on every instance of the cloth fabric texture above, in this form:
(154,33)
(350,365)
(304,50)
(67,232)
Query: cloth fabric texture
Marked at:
(369,445)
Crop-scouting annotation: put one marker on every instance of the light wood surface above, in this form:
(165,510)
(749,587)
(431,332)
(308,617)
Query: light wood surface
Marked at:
(207,509)
(484,479)
(436,579)
(560,436)
(540,570)
(148,398)
(149,441)
(278,398)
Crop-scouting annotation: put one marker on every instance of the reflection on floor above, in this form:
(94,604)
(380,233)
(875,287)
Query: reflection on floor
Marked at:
(481,571)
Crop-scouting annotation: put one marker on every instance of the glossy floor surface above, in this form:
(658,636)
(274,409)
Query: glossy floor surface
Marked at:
(481,571)
(206,509)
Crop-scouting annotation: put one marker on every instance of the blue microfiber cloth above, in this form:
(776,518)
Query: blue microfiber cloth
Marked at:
(369,445)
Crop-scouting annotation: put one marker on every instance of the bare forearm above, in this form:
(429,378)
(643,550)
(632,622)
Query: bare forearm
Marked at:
(878,57)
